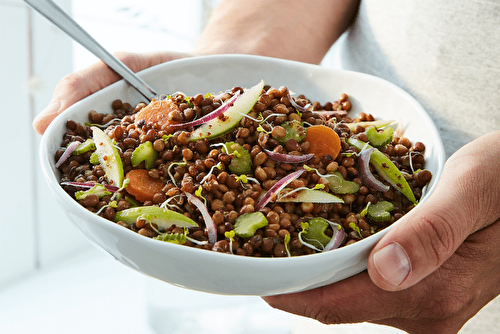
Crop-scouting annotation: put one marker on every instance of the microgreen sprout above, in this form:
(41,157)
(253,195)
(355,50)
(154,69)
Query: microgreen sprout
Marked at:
(286,241)
(170,167)
(230,235)
(310,169)
(243,179)
(355,228)
(103,126)
(365,210)
(118,192)
(260,128)
(165,138)
(198,194)
(111,204)
(210,172)
(167,202)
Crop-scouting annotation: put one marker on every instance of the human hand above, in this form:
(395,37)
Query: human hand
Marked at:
(76,86)
(434,270)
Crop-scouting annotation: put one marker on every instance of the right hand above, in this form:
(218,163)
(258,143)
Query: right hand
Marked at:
(76,86)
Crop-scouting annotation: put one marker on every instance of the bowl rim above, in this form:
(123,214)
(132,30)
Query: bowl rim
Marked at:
(50,176)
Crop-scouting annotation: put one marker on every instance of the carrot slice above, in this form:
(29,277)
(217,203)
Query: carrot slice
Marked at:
(323,141)
(142,186)
(157,112)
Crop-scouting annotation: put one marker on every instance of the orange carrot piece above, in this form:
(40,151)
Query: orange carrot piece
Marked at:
(142,186)
(158,112)
(323,140)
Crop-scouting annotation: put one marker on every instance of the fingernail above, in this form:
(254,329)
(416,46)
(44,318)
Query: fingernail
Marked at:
(392,263)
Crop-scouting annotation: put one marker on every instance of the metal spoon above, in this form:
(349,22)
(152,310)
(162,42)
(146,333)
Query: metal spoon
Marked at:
(62,20)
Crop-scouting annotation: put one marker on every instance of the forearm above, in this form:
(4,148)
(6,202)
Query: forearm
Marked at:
(297,30)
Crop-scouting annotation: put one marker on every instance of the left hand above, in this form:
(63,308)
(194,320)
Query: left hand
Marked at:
(437,267)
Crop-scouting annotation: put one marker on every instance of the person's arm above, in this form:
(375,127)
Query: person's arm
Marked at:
(437,267)
(290,29)
(76,86)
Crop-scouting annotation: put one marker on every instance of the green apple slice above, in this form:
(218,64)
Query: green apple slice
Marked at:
(307,196)
(222,124)
(377,124)
(163,218)
(109,157)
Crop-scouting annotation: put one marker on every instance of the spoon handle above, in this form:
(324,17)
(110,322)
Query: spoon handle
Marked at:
(62,20)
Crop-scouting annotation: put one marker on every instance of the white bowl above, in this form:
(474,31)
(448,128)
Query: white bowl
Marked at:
(224,273)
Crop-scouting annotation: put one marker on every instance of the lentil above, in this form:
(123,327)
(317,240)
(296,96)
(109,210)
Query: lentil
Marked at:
(203,167)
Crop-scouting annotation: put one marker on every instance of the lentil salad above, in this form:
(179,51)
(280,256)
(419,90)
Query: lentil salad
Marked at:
(260,188)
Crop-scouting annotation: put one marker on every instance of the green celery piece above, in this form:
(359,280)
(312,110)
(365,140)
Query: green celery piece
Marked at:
(315,233)
(338,185)
(380,211)
(379,139)
(94,159)
(386,169)
(98,190)
(163,218)
(294,130)
(86,146)
(241,163)
(175,238)
(144,152)
(248,223)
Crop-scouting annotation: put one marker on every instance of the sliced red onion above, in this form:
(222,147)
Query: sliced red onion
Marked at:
(364,170)
(225,106)
(71,147)
(288,158)
(329,112)
(277,188)
(88,185)
(295,104)
(337,239)
(209,223)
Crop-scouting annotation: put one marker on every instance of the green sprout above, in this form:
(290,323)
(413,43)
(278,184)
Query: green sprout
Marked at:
(230,235)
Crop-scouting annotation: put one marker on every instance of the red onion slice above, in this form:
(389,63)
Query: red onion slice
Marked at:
(88,185)
(329,112)
(337,239)
(288,158)
(209,223)
(364,171)
(71,147)
(271,193)
(295,104)
(223,108)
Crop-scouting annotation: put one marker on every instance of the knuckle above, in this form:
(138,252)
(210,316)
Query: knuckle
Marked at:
(441,241)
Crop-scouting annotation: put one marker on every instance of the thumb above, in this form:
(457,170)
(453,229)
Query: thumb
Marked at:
(464,201)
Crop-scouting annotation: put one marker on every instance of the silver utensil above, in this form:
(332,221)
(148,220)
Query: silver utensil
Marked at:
(62,20)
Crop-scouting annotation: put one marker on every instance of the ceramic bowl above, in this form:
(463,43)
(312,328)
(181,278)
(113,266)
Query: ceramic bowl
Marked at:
(224,273)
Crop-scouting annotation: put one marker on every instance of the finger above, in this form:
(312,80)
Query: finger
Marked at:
(428,235)
(81,84)
(353,300)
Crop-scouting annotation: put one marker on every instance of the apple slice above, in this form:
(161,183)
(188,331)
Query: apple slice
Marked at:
(307,196)
(223,123)
(109,157)
(163,218)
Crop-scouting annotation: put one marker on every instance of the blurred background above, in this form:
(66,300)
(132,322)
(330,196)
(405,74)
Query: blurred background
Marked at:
(52,280)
